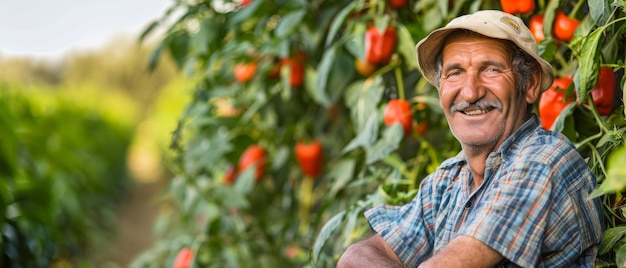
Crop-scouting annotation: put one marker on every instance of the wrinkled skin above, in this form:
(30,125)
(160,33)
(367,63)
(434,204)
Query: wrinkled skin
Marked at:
(479,96)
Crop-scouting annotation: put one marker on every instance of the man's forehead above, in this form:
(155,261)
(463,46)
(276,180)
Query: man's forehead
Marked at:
(462,39)
(467,35)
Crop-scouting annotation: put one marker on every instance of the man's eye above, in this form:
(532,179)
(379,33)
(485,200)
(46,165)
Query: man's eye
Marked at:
(492,70)
(454,73)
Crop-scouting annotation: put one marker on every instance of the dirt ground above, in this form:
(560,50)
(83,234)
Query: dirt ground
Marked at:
(135,221)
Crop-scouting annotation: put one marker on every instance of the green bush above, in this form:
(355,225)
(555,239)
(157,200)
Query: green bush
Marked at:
(62,171)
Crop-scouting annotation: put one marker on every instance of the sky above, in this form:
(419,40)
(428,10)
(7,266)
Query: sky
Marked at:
(53,28)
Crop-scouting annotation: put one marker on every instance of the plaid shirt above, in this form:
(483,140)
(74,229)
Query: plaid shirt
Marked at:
(532,206)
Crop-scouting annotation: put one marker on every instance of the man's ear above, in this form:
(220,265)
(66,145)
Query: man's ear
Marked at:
(533,87)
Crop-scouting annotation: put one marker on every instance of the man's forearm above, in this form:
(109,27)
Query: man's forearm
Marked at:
(370,252)
(464,251)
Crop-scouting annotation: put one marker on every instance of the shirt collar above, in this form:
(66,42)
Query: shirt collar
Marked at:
(508,148)
(516,141)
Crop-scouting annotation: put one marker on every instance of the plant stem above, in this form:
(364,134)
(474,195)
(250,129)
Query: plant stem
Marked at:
(587,140)
(596,115)
(399,82)
(559,57)
(578,5)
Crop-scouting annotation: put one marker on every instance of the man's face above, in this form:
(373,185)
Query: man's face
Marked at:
(478,91)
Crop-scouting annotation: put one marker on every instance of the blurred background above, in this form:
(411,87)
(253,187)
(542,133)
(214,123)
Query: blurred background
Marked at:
(83,129)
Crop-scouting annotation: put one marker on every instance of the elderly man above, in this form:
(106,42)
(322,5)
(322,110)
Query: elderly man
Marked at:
(517,195)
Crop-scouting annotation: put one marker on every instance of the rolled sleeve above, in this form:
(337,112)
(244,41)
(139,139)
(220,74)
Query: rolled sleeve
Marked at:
(406,229)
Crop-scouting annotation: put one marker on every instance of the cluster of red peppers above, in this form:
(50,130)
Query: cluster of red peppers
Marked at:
(553,101)
(245,71)
(563,27)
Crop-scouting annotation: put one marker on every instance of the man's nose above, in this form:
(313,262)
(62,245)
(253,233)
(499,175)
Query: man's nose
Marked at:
(472,89)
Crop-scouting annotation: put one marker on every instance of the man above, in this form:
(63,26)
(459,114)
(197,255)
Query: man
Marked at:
(517,195)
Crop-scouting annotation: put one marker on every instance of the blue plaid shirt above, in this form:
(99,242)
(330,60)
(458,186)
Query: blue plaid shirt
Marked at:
(532,206)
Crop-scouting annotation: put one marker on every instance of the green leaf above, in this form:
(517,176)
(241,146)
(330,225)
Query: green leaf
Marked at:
(342,73)
(342,173)
(547,49)
(366,137)
(559,122)
(610,237)
(444,6)
(338,22)
(178,46)
(207,35)
(610,50)
(203,151)
(230,196)
(586,75)
(599,11)
(362,96)
(323,72)
(352,224)
(190,198)
(289,22)
(148,30)
(244,14)
(245,180)
(435,19)
(616,174)
(327,231)
(548,18)
(406,47)
(620,255)
(390,141)
(154,57)
(281,157)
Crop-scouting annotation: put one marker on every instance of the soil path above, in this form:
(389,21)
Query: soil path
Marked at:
(135,221)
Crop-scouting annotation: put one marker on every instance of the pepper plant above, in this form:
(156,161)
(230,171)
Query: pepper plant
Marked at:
(325,72)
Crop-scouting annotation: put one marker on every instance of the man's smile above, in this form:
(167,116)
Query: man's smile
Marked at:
(476,111)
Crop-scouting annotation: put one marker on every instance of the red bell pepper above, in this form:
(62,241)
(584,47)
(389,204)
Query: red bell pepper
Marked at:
(380,46)
(517,6)
(256,156)
(536,27)
(399,111)
(564,26)
(243,71)
(184,258)
(553,101)
(397,3)
(603,94)
(310,157)
(297,69)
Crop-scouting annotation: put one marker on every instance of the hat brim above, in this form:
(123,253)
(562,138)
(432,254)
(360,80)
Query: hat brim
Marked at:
(429,48)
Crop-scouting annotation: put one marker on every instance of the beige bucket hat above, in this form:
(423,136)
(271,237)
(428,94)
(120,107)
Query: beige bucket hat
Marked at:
(490,23)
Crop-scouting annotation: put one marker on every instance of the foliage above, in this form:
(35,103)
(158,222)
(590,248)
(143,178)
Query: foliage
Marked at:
(286,220)
(62,171)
